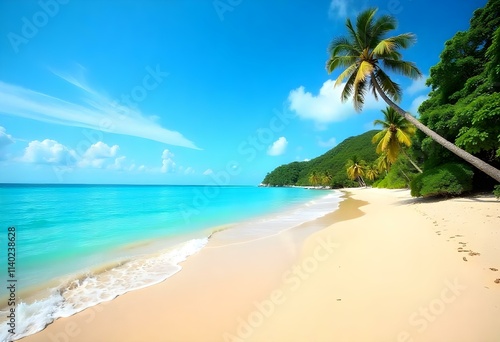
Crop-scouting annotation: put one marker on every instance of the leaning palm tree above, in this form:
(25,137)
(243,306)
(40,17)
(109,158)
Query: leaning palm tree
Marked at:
(356,170)
(396,133)
(363,53)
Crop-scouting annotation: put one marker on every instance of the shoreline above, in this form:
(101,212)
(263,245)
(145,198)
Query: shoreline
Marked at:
(72,293)
(323,279)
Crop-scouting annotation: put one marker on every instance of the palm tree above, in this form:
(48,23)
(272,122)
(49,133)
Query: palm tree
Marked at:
(395,135)
(356,170)
(371,172)
(314,178)
(326,178)
(363,53)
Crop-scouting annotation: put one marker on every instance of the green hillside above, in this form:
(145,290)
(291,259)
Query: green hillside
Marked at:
(297,173)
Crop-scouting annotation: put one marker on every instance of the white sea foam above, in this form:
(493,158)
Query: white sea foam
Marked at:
(93,288)
(283,220)
(85,290)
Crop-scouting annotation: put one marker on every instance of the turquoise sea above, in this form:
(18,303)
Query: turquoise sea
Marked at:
(79,245)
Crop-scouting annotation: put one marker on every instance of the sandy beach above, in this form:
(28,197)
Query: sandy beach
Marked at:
(384,267)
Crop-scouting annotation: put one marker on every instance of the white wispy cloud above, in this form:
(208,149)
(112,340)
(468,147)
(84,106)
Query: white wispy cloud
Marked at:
(278,147)
(326,106)
(415,104)
(418,86)
(94,111)
(5,139)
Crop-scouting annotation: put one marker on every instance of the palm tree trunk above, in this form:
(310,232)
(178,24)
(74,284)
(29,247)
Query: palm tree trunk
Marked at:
(362,181)
(478,163)
(404,174)
(359,181)
(411,161)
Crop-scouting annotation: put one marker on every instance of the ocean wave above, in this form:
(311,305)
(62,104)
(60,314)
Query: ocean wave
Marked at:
(91,288)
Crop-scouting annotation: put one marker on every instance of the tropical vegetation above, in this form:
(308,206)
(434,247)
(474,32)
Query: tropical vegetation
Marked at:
(395,135)
(458,125)
(363,53)
(356,170)
(333,162)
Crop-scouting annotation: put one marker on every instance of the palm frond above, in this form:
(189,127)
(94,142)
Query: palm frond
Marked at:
(384,142)
(383,47)
(404,40)
(364,25)
(391,88)
(340,61)
(359,95)
(346,73)
(392,150)
(348,88)
(380,28)
(408,69)
(364,70)
(382,123)
(377,136)
(355,39)
(342,46)
(402,137)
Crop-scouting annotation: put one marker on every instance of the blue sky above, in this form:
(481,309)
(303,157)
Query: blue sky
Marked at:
(186,92)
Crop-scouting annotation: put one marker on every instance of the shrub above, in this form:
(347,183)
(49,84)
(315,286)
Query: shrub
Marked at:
(450,179)
(391,183)
(496,191)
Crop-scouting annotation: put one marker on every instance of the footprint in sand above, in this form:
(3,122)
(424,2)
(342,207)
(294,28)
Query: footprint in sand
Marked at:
(465,259)
(471,253)
(497,281)
(493,269)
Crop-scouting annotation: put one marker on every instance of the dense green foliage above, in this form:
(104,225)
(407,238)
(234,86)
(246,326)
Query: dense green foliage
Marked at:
(464,105)
(450,179)
(399,175)
(334,161)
